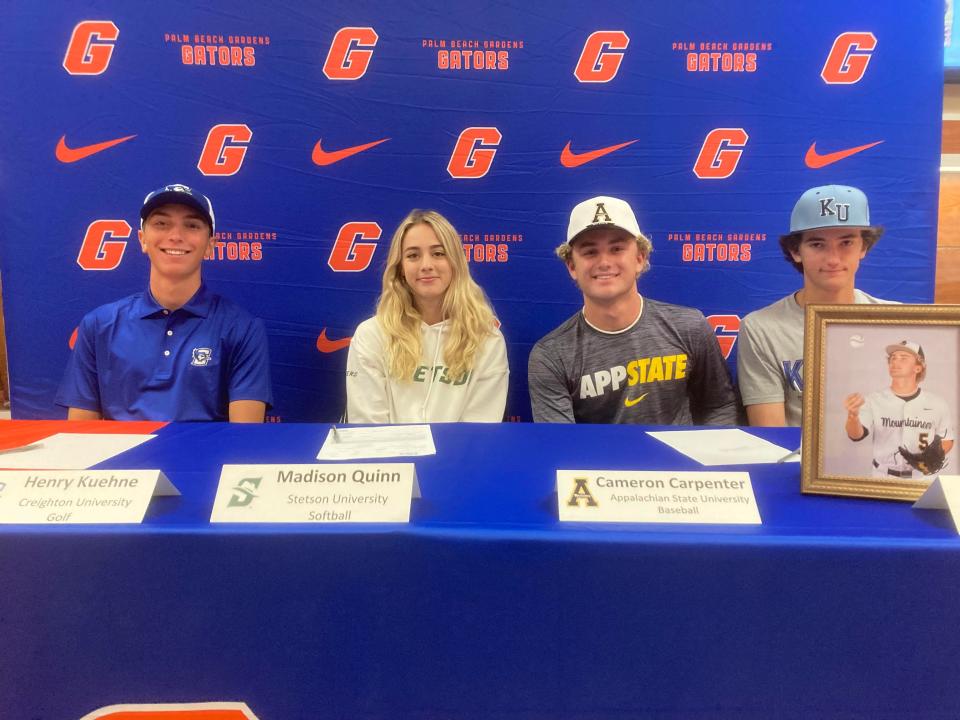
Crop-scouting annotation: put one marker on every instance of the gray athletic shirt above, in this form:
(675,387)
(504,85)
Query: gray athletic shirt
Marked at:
(770,354)
(665,370)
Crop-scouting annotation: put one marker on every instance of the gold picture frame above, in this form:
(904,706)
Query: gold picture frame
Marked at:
(846,360)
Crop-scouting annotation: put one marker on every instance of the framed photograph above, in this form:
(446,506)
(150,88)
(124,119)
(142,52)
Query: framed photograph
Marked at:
(881,398)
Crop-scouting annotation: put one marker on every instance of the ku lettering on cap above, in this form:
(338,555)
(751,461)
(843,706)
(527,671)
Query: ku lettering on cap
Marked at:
(903,346)
(602,211)
(830,206)
(178,194)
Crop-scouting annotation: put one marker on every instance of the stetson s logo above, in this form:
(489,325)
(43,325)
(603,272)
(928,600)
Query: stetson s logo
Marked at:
(350,53)
(86,57)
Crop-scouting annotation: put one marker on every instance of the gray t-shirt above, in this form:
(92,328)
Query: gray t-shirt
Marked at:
(770,354)
(666,369)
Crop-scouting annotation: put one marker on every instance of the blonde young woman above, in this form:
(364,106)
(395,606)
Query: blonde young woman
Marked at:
(433,352)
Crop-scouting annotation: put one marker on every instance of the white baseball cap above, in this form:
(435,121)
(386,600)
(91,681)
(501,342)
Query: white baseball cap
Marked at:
(602,211)
(904,346)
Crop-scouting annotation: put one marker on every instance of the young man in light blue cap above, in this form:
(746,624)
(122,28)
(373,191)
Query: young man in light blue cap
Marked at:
(830,233)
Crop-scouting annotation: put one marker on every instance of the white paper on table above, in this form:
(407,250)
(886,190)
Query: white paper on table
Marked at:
(377,442)
(71,451)
(724,447)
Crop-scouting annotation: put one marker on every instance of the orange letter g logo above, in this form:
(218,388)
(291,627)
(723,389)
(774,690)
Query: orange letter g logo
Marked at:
(350,53)
(597,64)
(86,57)
(848,58)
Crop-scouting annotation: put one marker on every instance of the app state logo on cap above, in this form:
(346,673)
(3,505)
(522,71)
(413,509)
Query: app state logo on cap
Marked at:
(601,215)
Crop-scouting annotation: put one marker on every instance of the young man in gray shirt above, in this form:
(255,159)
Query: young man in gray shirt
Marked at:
(625,358)
(830,233)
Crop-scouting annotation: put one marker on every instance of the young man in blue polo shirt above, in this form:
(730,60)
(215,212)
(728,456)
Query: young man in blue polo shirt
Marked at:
(176,351)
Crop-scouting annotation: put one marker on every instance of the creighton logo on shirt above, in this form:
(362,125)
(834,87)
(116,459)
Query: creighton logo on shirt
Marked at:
(658,368)
(202,357)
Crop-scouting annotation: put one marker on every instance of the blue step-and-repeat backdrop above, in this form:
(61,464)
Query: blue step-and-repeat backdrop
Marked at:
(315,127)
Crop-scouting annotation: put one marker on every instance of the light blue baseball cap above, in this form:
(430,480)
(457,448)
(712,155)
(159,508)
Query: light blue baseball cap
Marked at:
(830,206)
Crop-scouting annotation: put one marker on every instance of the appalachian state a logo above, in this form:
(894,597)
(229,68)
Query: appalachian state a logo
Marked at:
(601,215)
(581,493)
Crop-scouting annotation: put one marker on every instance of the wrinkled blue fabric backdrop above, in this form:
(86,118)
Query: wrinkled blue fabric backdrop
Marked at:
(421,88)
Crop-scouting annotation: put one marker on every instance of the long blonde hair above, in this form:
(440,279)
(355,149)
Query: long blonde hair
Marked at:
(470,319)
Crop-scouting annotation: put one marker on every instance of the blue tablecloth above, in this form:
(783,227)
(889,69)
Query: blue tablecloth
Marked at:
(484,606)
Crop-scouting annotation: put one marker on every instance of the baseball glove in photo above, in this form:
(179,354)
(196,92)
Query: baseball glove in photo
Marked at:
(929,460)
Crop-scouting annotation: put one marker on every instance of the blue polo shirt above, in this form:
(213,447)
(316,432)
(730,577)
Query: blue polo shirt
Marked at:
(136,360)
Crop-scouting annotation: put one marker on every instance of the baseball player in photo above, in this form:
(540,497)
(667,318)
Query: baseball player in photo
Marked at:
(911,427)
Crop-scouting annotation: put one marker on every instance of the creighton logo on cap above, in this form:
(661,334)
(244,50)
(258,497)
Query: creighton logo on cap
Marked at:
(178,193)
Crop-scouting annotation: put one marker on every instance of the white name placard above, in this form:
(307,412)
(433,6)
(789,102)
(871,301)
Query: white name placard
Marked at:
(656,497)
(943,494)
(330,493)
(81,497)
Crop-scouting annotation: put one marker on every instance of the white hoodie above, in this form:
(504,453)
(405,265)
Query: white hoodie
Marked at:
(430,395)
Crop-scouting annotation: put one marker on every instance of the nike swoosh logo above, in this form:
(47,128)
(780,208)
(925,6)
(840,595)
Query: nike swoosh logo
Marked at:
(815,160)
(71,155)
(570,159)
(627,402)
(323,158)
(326,345)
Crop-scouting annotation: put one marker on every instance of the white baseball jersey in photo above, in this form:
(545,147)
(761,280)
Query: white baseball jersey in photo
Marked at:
(893,421)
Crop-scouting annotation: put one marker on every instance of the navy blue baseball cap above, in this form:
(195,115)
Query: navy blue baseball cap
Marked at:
(177,194)
(830,206)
